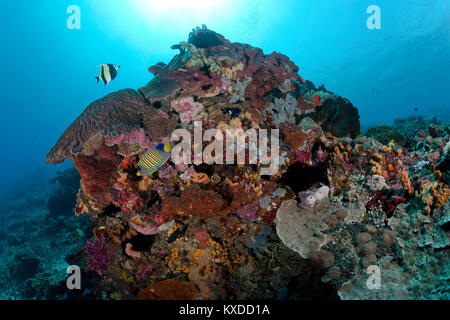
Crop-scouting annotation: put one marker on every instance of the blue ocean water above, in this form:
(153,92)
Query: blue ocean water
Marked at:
(48,70)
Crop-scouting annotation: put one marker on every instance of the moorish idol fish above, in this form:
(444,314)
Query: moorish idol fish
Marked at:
(153,159)
(108,72)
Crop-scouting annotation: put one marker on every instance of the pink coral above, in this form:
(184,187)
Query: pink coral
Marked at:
(434,156)
(181,166)
(133,136)
(279,65)
(167,172)
(127,201)
(192,82)
(161,188)
(320,156)
(202,238)
(188,172)
(145,271)
(248,212)
(303,156)
(158,219)
(187,108)
(162,114)
(130,252)
(99,255)
(150,228)
(224,86)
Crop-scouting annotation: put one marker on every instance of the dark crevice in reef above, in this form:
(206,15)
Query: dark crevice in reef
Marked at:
(205,168)
(132,172)
(157,104)
(25,266)
(154,199)
(318,145)
(176,191)
(206,87)
(77,258)
(141,243)
(310,286)
(63,199)
(110,210)
(274,93)
(446,227)
(301,177)
(444,167)
(227,195)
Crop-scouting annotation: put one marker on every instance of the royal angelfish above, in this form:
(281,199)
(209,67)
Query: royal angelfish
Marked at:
(153,159)
(108,72)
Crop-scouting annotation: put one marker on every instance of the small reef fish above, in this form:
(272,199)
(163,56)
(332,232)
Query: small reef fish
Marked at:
(234,112)
(80,233)
(153,159)
(108,72)
(176,234)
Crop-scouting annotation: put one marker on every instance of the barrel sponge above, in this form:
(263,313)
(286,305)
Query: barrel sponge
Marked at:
(110,116)
(301,230)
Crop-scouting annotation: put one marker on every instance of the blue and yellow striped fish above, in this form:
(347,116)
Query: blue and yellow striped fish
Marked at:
(153,159)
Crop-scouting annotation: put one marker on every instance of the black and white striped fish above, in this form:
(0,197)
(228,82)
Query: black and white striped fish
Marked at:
(108,72)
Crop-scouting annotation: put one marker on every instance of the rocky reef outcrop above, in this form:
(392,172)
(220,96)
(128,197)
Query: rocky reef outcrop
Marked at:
(223,231)
(62,201)
(35,240)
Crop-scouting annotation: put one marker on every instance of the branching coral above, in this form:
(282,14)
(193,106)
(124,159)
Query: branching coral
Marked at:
(99,255)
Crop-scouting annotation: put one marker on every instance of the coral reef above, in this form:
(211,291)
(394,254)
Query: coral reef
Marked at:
(339,203)
(170,289)
(117,113)
(386,134)
(99,256)
(40,239)
(62,200)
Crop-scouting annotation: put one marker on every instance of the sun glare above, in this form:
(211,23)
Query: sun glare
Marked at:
(172,15)
(169,5)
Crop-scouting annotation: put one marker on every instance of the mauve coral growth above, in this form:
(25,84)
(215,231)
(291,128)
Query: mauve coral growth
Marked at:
(99,255)
(187,108)
(248,212)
